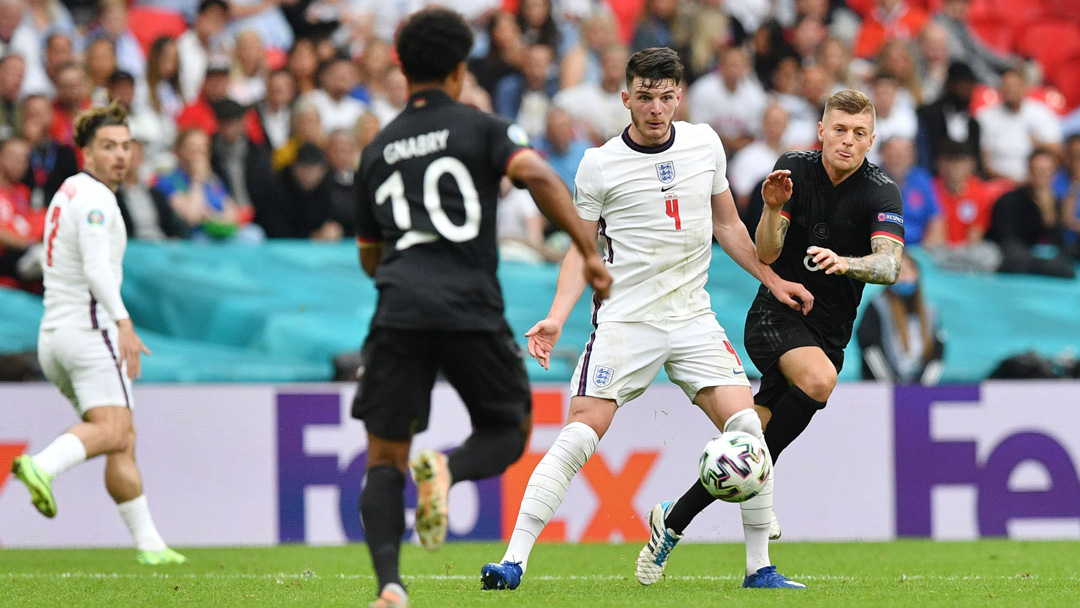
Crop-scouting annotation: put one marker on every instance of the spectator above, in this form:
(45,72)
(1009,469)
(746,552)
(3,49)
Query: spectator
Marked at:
(243,166)
(890,20)
(563,148)
(710,30)
(472,94)
(807,38)
(988,65)
(57,53)
(922,213)
(337,109)
(306,128)
(965,200)
(343,157)
(113,25)
(538,25)
(12,68)
(1067,189)
(304,202)
(203,40)
(505,53)
(769,48)
(802,115)
(599,107)
(524,98)
(18,37)
(49,162)
(72,97)
(392,96)
(661,24)
(835,60)
(898,59)
(146,212)
(163,79)
(582,63)
(934,60)
(757,159)
(893,120)
(949,120)
(275,111)
(1012,129)
(200,113)
(21,228)
(46,17)
(373,65)
(379,17)
(263,17)
(303,62)
(520,227)
(367,127)
(100,66)
(199,198)
(1030,216)
(899,334)
(248,78)
(729,100)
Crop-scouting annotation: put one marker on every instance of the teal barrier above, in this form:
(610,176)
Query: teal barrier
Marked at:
(279,312)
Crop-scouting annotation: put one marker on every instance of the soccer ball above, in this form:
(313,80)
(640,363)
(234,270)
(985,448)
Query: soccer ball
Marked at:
(734,466)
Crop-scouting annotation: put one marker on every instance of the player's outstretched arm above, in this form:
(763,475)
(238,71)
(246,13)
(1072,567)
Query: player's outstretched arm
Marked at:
(881,267)
(731,233)
(571,284)
(772,229)
(553,199)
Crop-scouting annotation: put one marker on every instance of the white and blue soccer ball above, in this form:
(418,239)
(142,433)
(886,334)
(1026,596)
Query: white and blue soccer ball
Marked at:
(734,466)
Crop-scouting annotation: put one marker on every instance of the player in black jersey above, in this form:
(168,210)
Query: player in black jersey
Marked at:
(833,222)
(426,230)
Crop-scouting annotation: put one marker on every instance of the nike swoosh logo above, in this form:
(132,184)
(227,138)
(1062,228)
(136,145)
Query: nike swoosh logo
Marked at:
(739,371)
(663,189)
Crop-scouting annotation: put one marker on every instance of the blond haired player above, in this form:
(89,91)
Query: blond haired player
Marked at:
(657,195)
(87,345)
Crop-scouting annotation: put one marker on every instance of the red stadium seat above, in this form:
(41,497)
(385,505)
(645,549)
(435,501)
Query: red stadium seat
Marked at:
(149,24)
(1050,43)
(1066,78)
(997,34)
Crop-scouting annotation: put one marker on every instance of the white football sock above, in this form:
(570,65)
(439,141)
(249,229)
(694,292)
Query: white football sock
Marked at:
(547,488)
(756,512)
(64,452)
(136,514)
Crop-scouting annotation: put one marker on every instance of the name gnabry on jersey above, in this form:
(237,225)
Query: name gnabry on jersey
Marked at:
(412,147)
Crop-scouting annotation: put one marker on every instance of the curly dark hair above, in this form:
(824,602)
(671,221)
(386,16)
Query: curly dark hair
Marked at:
(89,121)
(432,43)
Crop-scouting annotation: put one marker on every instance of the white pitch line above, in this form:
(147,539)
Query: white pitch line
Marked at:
(281,576)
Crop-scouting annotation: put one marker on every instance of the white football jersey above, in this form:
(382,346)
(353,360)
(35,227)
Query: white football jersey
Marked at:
(85,239)
(654,206)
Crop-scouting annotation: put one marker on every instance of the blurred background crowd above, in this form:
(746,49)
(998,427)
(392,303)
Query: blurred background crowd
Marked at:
(249,116)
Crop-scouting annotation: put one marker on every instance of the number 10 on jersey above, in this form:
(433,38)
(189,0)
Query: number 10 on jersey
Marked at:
(672,205)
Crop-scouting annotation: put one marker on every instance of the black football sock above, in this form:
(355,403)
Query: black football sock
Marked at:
(790,416)
(382,511)
(486,453)
(694,501)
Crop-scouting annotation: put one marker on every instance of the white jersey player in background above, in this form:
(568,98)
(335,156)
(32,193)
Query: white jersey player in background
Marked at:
(656,195)
(87,345)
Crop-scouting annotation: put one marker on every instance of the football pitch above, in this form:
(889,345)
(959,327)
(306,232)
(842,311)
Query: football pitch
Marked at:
(898,574)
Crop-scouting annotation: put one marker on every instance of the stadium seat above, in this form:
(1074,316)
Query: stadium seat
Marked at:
(998,34)
(1018,13)
(1066,78)
(1050,43)
(149,24)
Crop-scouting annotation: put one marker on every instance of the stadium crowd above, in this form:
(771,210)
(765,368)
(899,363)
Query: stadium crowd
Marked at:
(249,116)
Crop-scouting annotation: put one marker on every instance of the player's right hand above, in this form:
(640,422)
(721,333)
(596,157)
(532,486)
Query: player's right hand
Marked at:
(542,338)
(793,295)
(596,273)
(777,188)
(131,346)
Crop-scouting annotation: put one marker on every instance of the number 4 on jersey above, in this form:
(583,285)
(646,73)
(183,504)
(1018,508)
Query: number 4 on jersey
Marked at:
(672,205)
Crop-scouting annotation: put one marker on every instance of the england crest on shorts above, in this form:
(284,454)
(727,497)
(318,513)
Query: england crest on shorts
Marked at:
(666,172)
(602,376)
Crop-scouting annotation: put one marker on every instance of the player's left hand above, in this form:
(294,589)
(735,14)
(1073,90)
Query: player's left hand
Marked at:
(792,295)
(827,260)
(130,347)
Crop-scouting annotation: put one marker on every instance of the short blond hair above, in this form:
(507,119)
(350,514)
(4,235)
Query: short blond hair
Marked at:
(850,101)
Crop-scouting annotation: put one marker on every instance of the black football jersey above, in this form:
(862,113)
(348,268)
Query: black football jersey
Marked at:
(842,218)
(429,185)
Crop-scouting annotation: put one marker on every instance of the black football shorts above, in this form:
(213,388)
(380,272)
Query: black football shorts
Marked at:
(769,334)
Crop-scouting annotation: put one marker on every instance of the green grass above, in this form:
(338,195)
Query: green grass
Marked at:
(898,574)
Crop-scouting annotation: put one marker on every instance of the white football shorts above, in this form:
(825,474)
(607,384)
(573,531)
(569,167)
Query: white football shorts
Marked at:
(84,365)
(622,358)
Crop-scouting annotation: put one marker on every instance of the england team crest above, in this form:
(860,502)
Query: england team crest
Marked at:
(666,172)
(602,376)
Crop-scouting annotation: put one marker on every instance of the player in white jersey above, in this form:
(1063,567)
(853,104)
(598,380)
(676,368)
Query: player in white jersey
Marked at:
(87,345)
(657,195)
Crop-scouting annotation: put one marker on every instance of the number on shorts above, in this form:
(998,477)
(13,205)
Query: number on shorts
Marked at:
(731,349)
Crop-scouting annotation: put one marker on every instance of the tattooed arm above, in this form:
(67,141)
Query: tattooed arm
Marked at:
(881,267)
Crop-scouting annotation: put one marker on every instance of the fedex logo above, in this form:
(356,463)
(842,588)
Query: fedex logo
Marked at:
(1017,449)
